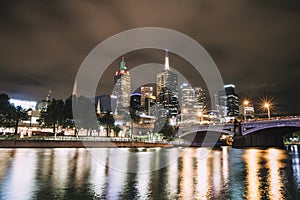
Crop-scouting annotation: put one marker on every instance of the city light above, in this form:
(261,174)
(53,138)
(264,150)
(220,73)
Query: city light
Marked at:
(267,106)
(23,103)
(246,102)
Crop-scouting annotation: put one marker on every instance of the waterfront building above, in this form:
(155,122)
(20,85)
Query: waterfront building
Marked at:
(122,89)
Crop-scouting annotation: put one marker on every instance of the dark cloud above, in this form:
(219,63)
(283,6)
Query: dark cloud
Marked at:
(255,44)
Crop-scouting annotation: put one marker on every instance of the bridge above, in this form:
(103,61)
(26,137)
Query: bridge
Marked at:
(261,132)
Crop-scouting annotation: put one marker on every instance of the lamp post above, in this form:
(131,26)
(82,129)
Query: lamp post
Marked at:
(245,103)
(267,106)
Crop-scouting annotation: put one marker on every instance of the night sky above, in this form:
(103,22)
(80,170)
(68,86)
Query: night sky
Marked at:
(255,44)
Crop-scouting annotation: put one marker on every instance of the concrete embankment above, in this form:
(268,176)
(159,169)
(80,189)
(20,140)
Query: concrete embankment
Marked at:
(76,144)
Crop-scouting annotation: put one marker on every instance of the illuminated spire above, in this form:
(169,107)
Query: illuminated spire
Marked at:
(98,107)
(49,94)
(75,92)
(167,66)
(123,64)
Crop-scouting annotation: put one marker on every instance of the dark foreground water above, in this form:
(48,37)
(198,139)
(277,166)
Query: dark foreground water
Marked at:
(224,173)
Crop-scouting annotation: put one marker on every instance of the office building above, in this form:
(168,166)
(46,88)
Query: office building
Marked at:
(167,90)
(122,89)
(232,101)
(227,102)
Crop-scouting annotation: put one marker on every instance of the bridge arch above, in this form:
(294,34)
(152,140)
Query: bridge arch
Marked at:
(219,131)
(272,126)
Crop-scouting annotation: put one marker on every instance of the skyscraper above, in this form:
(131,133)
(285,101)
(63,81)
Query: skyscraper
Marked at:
(147,99)
(232,101)
(122,88)
(227,102)
(167,90)
(192,103)
(200,95)
(166,79)
(188,102)
(145,92)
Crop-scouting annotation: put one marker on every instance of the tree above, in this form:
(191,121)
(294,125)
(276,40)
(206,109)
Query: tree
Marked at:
(18,114)
(6,109)
(84,113)
(54,115)
(117,130)
(10,116)
(107,120)
(68,114)
(162,125)
(132,117)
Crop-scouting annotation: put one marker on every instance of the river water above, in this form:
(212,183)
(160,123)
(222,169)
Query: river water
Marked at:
(223,173)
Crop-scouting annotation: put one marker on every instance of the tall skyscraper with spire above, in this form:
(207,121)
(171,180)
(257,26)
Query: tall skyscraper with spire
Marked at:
(167,78)
(75,91)
(122,88)
(167,89)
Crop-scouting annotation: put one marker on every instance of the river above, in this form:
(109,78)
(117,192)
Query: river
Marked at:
(153,173)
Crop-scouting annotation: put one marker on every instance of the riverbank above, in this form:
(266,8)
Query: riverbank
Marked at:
(78,144)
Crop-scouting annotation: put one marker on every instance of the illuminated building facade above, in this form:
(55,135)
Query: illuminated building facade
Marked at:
(232,101)
(122,89)
(167,90)
(145,92)
(227,102)
(192,103)
(147,99)
(200,95)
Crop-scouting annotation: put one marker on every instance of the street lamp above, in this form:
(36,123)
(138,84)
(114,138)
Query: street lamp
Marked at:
(245,103)
(267,106)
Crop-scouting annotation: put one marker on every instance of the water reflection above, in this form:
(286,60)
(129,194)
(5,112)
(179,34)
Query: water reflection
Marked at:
(295,162)
(76,174)
(252,157)
(264,177)
(20,176)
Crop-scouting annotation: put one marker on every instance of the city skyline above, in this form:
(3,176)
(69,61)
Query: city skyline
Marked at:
(122,84)
(254,44)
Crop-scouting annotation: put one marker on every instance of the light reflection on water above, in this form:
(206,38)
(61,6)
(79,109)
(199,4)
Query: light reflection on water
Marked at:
(224,174)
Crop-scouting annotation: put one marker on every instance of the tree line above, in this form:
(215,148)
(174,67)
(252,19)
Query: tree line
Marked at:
(57,113)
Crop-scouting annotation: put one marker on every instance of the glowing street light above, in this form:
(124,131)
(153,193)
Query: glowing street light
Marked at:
(245,103)
(267,106)
(200,114)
